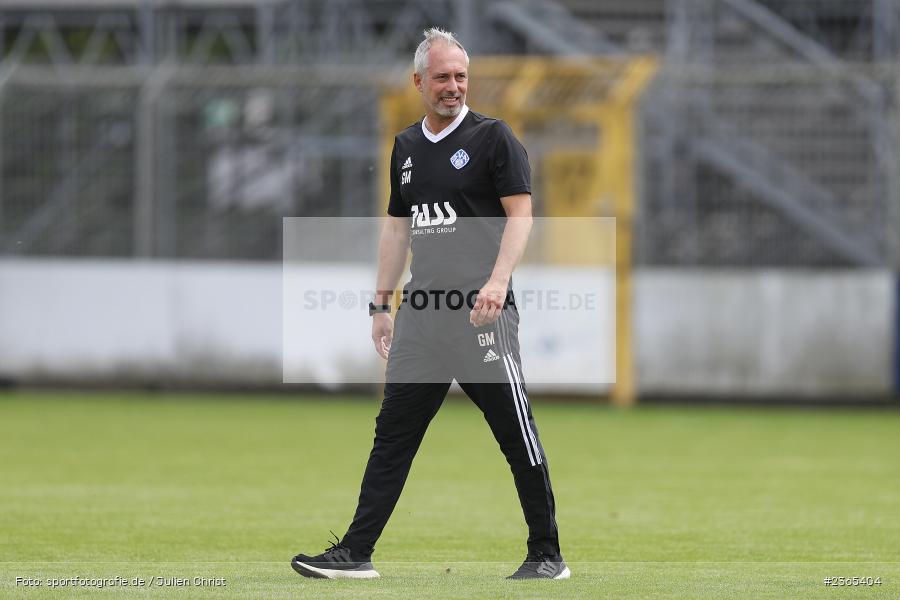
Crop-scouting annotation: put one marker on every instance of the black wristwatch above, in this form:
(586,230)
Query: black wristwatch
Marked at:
(378,308)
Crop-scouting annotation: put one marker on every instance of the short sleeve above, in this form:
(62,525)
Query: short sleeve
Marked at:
(510,170)
(395,203)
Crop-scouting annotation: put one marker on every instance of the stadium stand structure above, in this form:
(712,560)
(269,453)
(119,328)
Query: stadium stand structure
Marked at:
(847,28)
(763,144)
(787,148)
(185,129)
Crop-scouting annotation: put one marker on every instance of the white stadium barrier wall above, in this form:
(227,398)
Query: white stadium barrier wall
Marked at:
(764,332)
(223,324)
(132,321)
(745,333)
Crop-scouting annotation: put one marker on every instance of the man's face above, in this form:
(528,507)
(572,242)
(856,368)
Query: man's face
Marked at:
(443,87)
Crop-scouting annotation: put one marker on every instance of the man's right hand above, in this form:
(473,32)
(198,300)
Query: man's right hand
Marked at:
(382,333)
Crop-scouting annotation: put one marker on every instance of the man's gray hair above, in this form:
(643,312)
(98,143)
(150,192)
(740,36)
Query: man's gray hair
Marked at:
(432,36)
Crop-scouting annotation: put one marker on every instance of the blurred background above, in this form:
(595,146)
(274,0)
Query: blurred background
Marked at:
(748,150)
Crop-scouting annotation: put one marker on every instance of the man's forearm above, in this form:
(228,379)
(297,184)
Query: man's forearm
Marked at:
(512,247)
(392,252)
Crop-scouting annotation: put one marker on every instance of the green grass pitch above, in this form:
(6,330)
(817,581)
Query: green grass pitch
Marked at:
(652,502)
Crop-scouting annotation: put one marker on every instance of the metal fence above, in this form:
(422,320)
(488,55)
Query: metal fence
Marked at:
(769,137)
(792,165)
(181,162)
(68,158)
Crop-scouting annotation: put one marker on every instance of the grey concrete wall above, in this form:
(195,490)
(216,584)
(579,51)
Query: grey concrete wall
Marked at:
(737,333)
(764,332)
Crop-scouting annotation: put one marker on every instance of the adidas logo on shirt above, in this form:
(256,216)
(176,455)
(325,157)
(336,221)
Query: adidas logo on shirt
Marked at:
(491,356)
(407,164)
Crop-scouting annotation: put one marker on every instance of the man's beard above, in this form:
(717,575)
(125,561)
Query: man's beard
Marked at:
(448,111)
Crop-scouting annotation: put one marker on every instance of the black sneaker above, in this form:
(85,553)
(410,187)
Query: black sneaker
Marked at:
(542,566)
(335,563)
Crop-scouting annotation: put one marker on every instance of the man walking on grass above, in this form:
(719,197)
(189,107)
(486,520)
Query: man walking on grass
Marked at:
(461,199)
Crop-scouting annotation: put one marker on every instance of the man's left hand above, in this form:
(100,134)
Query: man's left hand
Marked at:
(488,304)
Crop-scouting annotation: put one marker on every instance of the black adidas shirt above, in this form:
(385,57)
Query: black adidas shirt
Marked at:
(450,186)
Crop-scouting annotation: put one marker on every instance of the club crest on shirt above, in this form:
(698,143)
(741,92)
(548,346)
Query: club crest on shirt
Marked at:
(459,159)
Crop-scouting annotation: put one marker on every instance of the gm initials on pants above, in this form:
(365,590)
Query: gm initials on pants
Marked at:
(486,339)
